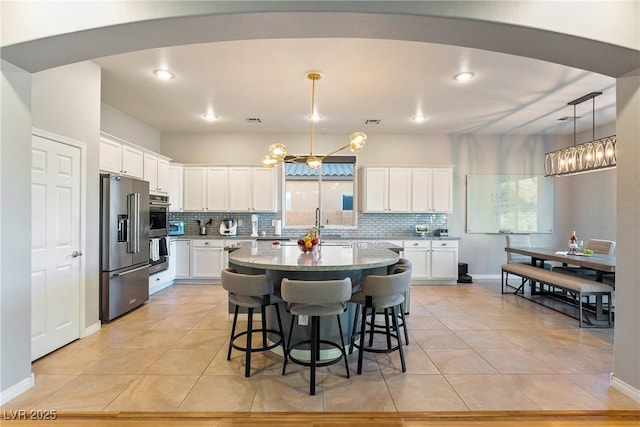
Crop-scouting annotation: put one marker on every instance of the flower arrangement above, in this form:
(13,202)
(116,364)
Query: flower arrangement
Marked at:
(309,241)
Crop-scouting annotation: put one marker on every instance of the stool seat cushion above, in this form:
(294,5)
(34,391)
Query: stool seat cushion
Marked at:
(384,301)
(250,301)
(326,309)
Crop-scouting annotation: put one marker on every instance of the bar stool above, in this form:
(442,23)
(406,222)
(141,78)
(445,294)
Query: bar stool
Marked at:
(381,293)
(316,299)
(403,263)
(251,291)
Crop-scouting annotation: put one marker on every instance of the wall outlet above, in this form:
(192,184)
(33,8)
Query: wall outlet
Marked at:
(303,320)
(239,223)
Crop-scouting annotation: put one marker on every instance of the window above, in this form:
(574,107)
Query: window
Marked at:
(331,189)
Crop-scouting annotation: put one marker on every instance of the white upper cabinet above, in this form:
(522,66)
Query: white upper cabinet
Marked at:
(217,189)
(386,189)
(120,158)
(252,189)
(432,190)
(156,171)
(176,182)
(194,188)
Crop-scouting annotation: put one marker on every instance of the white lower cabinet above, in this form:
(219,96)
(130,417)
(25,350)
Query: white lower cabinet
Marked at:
(432,259)
(206,259)
(164,278)
(182,257)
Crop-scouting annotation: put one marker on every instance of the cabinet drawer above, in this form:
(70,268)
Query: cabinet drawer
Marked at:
(444,244)
(207,243)
(417,244)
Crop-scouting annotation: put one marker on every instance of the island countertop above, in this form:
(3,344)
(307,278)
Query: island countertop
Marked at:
(286,256)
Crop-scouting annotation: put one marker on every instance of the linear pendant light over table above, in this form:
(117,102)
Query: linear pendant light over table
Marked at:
(278,151)
(597,154)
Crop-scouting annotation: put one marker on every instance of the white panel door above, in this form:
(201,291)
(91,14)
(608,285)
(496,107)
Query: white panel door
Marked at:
(150,167)
(399,189)
(55,245)
(376,190)
(176,178)
(443,190)
(217,189)
(263,189)
(163,175)
(194,188)
(421,190)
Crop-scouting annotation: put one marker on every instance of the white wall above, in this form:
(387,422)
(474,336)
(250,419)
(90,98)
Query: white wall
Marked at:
(117,123)
(66,102)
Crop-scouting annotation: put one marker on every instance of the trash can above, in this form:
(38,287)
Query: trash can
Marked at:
(463,270)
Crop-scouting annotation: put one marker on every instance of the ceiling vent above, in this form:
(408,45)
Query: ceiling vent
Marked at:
(372,122)
(253,120)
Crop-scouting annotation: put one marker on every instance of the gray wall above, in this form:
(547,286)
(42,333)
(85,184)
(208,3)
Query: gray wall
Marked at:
(15,209)
(592,195)
(66,102)
(117,123)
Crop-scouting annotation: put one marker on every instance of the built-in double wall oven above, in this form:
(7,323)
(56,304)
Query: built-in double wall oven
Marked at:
(158,231)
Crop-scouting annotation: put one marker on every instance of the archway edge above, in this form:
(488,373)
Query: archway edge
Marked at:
(458,24)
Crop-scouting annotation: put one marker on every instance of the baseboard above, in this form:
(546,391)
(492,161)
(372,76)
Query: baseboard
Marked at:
(625,388)
(91,329)
(486,276)
(160,286)
(16,390)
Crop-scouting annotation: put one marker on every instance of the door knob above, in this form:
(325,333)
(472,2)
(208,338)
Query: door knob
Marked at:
(76,254)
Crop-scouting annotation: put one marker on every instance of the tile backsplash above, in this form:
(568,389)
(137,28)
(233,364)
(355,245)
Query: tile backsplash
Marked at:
(370,225)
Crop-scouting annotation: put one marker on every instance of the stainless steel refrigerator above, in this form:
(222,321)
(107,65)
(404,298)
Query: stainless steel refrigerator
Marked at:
(124,245)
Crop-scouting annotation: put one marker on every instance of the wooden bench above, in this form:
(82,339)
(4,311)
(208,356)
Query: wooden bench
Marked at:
(576,287)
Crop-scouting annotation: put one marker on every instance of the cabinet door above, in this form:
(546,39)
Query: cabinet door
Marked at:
(263,189)
(132,162)
(176,178)
(206,262)
(443,190)
(171,270)
(182,255)
(421,190)
(217,189)
(151,171)
(421,261)
(399,189)
(239,189)
(194,188)
(444,260)
(163,175)
(375,190)
(110,156)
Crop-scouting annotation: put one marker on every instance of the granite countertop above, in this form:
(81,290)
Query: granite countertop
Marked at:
(288,257)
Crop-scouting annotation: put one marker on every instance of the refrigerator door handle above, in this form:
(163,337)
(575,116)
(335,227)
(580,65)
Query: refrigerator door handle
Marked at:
(133,205)
(131,271)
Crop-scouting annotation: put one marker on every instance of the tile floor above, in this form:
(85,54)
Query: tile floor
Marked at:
(471,349)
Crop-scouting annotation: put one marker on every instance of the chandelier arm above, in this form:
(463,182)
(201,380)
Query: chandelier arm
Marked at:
(334,151)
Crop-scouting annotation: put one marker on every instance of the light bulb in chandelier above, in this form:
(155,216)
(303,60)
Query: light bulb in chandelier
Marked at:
(356,141)
(269,162)
(314,162)
(278,151)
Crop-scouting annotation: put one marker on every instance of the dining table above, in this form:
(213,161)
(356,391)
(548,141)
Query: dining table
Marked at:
(601,263)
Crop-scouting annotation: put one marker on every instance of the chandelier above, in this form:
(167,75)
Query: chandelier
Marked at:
(278,151)
(596,154)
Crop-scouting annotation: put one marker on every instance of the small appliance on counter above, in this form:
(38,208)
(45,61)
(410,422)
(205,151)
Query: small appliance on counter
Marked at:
(254,225)
(422,230)
(203,228)
(441,232)
(176,228)
(228,227)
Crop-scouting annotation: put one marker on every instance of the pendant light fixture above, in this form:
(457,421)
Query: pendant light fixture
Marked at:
(278,151)
(594,155)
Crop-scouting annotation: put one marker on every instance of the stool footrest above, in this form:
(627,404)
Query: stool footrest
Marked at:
(319,362)
(257,349)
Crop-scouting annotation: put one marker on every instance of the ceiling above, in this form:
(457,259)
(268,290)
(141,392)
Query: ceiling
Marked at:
(364,79)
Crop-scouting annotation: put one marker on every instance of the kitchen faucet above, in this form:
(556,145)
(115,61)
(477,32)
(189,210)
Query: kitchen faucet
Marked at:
(318,221)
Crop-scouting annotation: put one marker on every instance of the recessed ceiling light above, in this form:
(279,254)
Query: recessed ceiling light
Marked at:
(419,119)
(209,117)
(164,74)
(464,76)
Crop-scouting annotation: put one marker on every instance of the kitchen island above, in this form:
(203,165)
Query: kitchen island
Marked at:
(328,262)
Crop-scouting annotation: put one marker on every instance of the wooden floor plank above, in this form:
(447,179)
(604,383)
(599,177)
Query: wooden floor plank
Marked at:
(400,419)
